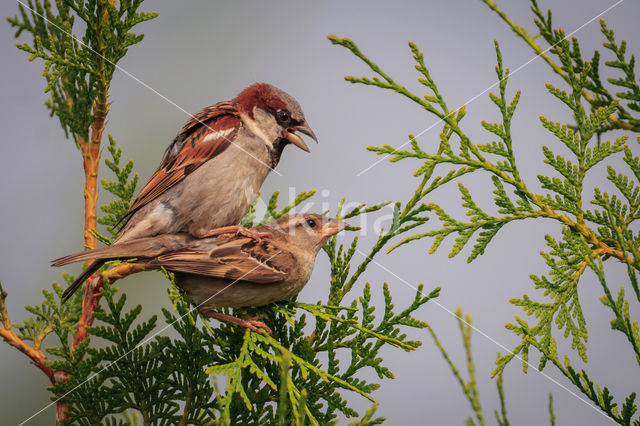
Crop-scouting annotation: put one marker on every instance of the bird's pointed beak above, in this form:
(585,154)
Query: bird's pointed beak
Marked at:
(333,226)
(297,140)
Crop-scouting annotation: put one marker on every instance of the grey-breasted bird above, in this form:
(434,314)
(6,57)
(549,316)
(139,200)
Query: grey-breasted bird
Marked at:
(231,270)
(212,171)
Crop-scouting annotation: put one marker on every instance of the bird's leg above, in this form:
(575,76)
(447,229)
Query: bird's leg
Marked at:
(236,230)
(253,324)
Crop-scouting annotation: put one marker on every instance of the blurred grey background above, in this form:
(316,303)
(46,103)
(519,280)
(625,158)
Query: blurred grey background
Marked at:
(206,51)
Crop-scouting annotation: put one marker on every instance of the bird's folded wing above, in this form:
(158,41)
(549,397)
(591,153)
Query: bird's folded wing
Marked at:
(238,259)
(204,136)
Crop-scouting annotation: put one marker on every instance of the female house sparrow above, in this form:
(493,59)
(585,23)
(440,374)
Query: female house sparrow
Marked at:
(231,271)
(212,171)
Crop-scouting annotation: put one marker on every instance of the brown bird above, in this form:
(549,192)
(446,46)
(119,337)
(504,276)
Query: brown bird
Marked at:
(212,171)
(231,270)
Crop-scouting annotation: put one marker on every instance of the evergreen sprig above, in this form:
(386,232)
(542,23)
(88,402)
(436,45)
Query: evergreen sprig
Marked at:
(78,70)
(567,262)
(80,42)
(127,374)
(595,93)
(470,387)
(588,237)
(123,188)
(465,157)
(50,316)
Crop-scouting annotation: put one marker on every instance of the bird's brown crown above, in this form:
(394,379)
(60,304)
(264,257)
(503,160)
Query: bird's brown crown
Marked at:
(268,98)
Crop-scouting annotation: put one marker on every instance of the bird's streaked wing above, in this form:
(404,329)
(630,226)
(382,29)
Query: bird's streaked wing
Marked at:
(203,136)
(236,259)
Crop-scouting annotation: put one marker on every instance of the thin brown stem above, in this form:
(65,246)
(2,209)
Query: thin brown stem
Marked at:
(37,343)
(90,161)
(187,407)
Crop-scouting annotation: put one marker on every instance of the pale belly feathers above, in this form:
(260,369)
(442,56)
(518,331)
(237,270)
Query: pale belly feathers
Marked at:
(217,194)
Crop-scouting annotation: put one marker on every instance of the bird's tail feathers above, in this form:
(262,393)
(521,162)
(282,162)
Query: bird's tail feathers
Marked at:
(144,248)
(93,267)
(83,256)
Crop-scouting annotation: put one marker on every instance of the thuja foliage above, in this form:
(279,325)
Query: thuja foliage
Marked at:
(595,226)
(470,386)
(80,43)
(122,188)
(78,70)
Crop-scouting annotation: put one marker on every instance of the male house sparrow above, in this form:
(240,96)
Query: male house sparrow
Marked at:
(212,171)
(231,270)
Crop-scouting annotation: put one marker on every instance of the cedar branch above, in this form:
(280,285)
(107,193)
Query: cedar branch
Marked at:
(9,336)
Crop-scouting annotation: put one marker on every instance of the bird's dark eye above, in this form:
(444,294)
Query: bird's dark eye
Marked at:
(283,116)
(312,223)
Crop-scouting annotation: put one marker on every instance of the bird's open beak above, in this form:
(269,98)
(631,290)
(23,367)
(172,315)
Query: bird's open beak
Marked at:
(332,227)
(297,140)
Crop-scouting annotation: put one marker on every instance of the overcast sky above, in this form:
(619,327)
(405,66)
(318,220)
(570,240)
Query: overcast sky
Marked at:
(202,52)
